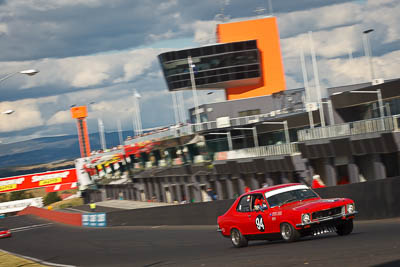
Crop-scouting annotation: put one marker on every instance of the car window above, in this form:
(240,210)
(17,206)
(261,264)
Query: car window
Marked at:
(259,200)
(290,196)
(244,204)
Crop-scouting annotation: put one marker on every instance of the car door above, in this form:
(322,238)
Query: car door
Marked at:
(259,221)
(242,215)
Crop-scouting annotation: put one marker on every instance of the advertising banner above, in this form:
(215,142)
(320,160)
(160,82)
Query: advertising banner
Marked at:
(94,220)
(17,205)
(36,180)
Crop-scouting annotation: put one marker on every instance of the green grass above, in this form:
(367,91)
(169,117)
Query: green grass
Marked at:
(67,203)
(7,260)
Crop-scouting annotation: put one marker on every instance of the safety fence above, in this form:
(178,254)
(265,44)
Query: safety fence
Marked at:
(351,128)
(263,151)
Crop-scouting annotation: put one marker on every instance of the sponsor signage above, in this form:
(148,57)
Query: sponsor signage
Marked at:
(18,205)
(94,220)
(36,180)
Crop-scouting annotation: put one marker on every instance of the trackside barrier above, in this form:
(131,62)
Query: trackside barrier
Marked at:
(57,216)
(94,220)
(377,199)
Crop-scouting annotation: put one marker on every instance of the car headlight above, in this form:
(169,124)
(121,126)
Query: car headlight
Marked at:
(350,208)
(305,218)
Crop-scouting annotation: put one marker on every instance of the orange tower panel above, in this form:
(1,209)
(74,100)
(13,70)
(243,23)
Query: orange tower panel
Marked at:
(79,112)
(265,31)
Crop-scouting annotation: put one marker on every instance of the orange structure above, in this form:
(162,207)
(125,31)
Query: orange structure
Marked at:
(80,114)
(265,31)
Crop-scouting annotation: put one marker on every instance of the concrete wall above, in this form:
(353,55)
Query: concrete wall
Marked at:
(56,216)
(374,200)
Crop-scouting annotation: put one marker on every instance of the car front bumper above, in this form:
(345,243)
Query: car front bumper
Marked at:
(5,235)
(327,220)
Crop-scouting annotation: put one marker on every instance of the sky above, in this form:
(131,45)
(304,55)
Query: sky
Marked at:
(99,51)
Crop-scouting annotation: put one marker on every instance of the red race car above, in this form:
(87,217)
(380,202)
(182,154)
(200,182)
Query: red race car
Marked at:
(5,232)
(288,212)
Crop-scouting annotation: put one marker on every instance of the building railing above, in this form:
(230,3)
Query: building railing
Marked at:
(263,151)
(189,129)
(352,128)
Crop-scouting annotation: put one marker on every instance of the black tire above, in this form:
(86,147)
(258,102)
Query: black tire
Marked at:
(238,240)
(289,233)
(345,228)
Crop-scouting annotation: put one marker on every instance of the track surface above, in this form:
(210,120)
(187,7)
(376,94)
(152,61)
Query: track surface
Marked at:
(371,243)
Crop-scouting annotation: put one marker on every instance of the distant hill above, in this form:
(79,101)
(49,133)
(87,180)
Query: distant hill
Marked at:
(49,149)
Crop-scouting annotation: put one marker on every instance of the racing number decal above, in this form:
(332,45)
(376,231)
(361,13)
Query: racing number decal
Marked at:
(260,223)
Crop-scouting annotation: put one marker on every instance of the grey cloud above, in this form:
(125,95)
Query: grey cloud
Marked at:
(82,29)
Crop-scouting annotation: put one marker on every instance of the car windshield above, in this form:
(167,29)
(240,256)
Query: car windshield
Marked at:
(290,196)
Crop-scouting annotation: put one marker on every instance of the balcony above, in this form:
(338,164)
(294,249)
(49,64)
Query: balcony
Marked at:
(387,124)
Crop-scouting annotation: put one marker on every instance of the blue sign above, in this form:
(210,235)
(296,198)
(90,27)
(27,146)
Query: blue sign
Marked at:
(94,219)
(2,216)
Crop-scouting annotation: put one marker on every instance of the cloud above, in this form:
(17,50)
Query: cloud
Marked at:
(26,115)
(99,50)
(60,117)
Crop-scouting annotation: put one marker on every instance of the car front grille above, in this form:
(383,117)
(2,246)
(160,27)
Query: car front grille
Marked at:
(326,213)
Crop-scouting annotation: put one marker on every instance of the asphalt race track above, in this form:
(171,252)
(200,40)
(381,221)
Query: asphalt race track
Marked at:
(371,243)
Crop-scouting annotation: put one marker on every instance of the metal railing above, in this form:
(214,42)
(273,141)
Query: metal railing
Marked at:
(263,151)
(352,128)
(189,129)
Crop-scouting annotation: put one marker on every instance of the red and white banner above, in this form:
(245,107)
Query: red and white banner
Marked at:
(61,187)
(36,180)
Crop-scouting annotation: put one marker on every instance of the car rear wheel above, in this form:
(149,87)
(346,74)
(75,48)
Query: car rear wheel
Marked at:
(238,240)
(345,228)
(288,233)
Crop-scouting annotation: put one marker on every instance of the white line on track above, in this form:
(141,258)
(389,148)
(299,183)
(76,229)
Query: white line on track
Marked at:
(30,227)
(37,260)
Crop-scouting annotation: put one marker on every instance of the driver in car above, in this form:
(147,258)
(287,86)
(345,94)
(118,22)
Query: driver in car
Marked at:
(260,203)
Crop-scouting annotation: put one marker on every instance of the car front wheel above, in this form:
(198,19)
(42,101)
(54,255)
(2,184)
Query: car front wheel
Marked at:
(238,240)
(289,233)
(345,228)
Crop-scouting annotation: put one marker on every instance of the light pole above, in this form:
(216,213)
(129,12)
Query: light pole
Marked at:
(8,112)
(330,109)
(316,78)
(137,117)
(285,127)
(29,72)
(119,127)
(306,89)
(254,129)
(194,90)
(102,135)
(368,52)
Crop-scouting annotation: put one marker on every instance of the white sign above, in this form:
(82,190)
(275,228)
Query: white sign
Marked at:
(18,205)
(311,106)
(223,122)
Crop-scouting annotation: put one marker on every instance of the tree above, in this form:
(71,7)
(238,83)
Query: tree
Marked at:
(18,195)
(51,198)
(3,197)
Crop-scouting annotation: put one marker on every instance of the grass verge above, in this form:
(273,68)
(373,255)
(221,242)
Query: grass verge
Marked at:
(7,260)
(67,203)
